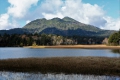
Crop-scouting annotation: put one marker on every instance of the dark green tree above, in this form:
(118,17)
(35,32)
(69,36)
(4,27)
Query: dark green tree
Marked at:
(114,39)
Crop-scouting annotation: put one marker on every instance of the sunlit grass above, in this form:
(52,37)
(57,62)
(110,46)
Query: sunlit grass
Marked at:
(78,46)
(68,65)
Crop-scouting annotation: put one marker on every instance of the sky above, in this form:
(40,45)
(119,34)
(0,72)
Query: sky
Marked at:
(104,14)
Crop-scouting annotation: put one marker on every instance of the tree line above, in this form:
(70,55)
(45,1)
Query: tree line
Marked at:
(19,40)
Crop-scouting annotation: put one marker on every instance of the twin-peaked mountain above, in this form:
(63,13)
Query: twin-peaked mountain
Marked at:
(65,27)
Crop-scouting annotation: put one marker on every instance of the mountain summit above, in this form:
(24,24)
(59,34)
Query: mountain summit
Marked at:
(69,19)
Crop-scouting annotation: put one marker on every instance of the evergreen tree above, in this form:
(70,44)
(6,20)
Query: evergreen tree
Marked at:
(114,39)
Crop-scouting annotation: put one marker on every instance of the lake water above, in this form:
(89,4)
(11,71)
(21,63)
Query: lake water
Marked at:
(6,53)
(39,76)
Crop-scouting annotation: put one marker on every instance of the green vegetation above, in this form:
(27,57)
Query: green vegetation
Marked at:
(68,65)
(114,39)
(65,27)
(19,40)
(63,24)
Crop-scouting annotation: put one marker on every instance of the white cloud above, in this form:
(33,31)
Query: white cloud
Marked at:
(6,24)
(51,6)
(50,16)
(28,21)
(19,8)
(112,24)
(46,9)
(83,12)
(4,21)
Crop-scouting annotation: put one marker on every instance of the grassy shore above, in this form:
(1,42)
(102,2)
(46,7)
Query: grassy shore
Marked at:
(68,65)
(78,46)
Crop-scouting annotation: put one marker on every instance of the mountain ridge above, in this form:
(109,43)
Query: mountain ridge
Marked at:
(65,27)
(66,22)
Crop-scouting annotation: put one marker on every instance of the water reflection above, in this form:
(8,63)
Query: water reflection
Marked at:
(39,76)
(116,50)
(6,53)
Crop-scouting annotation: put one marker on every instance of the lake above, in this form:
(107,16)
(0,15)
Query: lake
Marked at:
(39,76)
(11,52)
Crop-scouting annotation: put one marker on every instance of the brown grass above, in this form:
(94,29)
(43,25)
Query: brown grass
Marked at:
(78,46)
(68,65)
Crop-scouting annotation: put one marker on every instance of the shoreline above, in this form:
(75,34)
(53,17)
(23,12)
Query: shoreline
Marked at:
(77,47)
(67,65)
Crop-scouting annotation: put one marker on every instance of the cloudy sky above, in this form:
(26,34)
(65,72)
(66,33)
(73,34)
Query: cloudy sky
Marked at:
(104,14)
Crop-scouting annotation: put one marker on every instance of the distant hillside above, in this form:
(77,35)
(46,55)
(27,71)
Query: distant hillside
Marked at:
(62,24)
(16,31)
(65,27)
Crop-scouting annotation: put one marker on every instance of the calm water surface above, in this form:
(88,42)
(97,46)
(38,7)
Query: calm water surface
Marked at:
(6,53)
(39,76)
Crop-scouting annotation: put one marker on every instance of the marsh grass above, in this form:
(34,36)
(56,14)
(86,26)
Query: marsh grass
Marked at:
(77,47)
(68,65)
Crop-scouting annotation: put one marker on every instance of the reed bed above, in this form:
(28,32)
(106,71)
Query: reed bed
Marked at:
(77,47)
(67,65)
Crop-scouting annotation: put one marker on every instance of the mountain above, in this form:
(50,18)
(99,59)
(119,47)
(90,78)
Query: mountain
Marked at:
(61,24)
(65,27)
